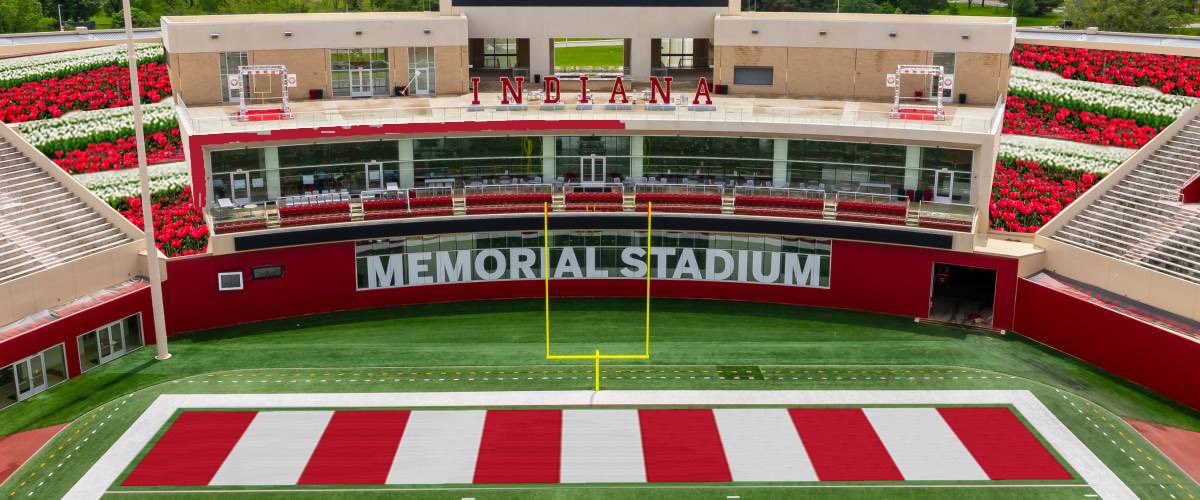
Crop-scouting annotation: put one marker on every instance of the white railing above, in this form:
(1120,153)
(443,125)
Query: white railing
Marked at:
(679,188)
(593,187)
(386,114)
(779,191)
(508,189)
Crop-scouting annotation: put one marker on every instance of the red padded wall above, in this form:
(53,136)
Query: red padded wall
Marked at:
(321,278)
(66,330)
(1162,361)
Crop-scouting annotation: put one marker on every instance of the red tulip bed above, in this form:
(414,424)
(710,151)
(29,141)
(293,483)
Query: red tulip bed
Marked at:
(1032,117)
(179,226)
(1171,74)
(100,88)
(161,147)
(1026,195)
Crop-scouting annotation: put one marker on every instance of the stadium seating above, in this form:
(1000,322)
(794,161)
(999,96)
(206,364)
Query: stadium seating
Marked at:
(872,211)
(779,206)
(594,202)
(1139,219)
(42,224)
(695,203)
(421,206)
(507,203)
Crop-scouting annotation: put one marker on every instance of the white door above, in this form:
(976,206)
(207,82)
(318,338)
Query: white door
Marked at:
(588,168)
(111,340)
(361,84)
(420,70)
(946,60)
(374,175)
(239,187)
(30,376)
(943,186)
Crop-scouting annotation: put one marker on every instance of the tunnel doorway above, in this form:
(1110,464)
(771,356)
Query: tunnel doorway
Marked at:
(963,295)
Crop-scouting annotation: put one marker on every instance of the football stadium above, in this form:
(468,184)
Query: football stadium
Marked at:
(599,249)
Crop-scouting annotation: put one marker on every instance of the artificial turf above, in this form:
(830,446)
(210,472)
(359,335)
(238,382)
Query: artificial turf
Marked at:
(500,346)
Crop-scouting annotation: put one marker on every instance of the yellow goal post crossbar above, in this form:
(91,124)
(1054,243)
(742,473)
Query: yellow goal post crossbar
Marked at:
(597,355)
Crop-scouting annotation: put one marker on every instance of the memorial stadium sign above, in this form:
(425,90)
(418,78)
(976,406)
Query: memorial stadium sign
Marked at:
(494,264)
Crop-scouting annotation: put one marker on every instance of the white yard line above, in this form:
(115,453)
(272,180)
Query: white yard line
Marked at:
(108,468)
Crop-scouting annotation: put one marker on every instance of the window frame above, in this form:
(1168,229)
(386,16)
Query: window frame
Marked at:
(241,281)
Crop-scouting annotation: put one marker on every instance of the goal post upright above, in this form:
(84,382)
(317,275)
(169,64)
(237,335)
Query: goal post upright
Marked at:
(595,356)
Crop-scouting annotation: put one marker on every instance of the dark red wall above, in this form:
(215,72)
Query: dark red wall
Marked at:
(1160,360)
(321,278)
(65,330)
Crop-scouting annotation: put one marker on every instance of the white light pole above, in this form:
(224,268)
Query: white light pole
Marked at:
(156,300)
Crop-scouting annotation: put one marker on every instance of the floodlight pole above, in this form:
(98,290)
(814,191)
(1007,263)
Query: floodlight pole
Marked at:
(152,261)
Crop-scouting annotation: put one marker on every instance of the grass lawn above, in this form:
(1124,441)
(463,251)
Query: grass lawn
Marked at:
(1051,19)
(500,346)
(601,56)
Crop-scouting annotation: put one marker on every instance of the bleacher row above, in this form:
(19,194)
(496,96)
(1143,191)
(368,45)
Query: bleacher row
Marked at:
(417,205)
(1140,219)
(42,223)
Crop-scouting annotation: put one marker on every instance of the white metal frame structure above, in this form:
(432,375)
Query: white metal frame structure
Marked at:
(246,103)
(919,69)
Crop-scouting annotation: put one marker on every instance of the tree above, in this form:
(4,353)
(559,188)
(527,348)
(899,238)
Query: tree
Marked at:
(1023,8)
(72,10)
(21,16)
(920,6)
(141,19)
(1046,6)
(1133,16)
(861,6)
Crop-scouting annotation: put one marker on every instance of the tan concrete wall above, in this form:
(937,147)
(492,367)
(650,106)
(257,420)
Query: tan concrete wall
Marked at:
(979,75)
(186,34)
(871,66)
(398,61)
(196,78)
(728,57)
(821,73)
(866,31)
(451,69)
(311,67)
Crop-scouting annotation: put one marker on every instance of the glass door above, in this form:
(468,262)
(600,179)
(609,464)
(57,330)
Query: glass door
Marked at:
(361,83)
(31,376)
(111,340)
(943,186)
(374,175)
(239,187)
(420,70)
(946,60)
(587,168)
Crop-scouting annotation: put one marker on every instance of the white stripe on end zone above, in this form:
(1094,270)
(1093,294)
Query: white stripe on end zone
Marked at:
(763,445)
(922,445)
(438,447)
(274,449)
(107,469)
(602,446)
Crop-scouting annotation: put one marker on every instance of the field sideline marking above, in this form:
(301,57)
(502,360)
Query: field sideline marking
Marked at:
(402,488)
(108,468)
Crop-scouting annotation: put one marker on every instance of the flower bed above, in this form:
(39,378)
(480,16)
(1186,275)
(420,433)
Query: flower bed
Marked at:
(18,70)
(1176,75)
(1031,117)
(1146,106)
(179,228)
(1062,155)
(99,88)
(78,130)
(117,186)
(161,147)
(1026,194)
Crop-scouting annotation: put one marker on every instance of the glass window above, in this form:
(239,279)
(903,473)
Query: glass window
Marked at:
(574,160)
(753,75)
(109,342)
(421,71)
(677,53)
(486,160)
(8,386)
(230,64)
(499,53)
(945,60)
(708,160)
(359,72)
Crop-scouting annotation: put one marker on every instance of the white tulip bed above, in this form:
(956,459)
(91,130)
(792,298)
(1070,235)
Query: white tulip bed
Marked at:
(77,130)
(1062,154)
(1146,105)
(18,70)
(115,186)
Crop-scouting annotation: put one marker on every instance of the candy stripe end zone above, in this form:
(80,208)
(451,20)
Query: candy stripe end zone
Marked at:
(499,435)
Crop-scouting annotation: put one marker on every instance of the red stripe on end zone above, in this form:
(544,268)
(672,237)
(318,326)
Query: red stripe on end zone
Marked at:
(682,446)
(357,448)
(192,449)
(843,446)
(1002,445)
(520,446)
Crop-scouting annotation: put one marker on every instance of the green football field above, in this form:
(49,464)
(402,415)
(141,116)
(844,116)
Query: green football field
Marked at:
(499,346)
